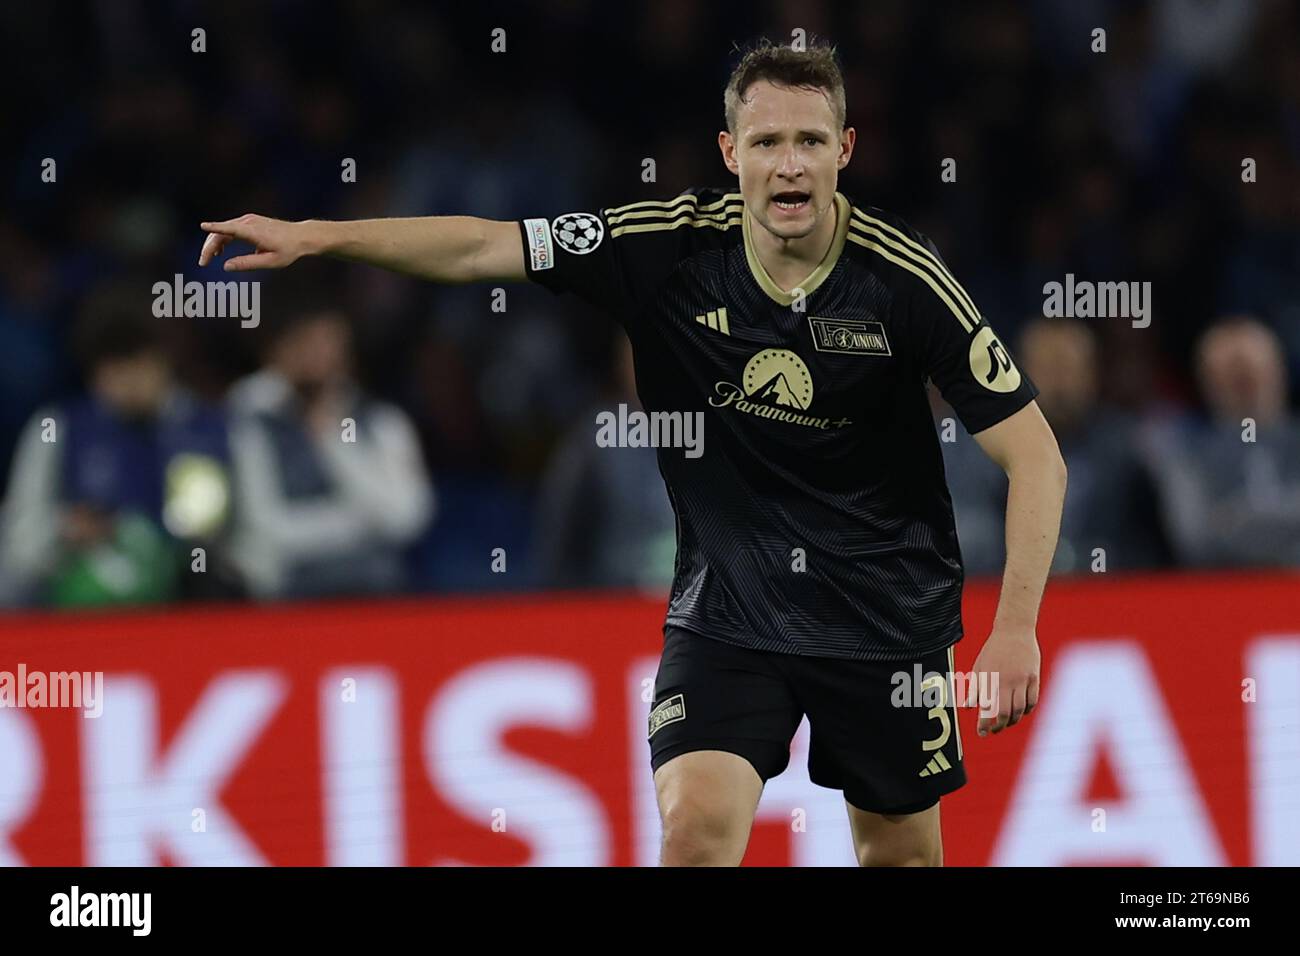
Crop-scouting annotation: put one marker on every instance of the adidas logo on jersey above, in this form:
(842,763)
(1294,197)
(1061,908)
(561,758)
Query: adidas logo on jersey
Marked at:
(715,319)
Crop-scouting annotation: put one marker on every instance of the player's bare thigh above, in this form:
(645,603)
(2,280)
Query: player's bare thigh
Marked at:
(912,839)
(707,800)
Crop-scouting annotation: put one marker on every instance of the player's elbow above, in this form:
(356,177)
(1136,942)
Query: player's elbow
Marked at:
(1055,473)
(1050,463)
(471,265)
(1049,467)
(493,252)
(1038,462)
(1038,450)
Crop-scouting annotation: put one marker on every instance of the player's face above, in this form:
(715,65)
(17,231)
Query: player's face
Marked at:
(787,150)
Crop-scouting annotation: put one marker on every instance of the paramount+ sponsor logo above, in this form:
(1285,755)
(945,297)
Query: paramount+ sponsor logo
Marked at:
(671,710)
(777,385)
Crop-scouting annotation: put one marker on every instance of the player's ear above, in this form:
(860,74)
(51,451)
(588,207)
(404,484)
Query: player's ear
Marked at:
(727,143)
(847,139)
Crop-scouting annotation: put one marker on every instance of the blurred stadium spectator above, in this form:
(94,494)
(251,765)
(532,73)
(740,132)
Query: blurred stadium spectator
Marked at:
(1111,502)
(109,490)
(330,483)
(604,517)
(1230,481)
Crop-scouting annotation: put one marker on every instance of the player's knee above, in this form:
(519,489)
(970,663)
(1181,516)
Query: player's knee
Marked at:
(900,855)
(696,833)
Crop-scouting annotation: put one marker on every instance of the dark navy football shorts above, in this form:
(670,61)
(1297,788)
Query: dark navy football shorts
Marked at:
(890,746)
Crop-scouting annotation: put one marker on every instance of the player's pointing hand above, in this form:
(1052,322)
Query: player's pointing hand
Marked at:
(276,243)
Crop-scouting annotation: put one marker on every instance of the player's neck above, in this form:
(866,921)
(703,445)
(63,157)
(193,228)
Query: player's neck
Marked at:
(789,261)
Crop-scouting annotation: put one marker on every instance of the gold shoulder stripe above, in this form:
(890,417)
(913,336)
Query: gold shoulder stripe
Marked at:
(701,213)
(916,270)
(688,220)
(916,249)
(671,204)
(903,243)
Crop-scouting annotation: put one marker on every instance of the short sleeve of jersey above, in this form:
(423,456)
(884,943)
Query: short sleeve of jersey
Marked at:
(574,252)
(958,349)
(615,258)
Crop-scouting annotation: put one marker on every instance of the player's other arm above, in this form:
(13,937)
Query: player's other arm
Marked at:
(1024,446)
(962,355)
(448,249)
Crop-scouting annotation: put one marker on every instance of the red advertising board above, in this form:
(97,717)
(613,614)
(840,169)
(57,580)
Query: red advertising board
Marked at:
(511,731)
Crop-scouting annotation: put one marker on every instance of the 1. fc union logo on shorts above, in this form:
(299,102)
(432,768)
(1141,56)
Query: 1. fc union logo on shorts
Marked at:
(674,708)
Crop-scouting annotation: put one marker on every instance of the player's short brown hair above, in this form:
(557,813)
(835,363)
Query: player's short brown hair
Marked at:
(815,67)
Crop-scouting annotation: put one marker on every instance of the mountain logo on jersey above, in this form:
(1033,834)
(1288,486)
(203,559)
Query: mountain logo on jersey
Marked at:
(778,377)
(775,384)
(855,338)
(990,363)
(577,232)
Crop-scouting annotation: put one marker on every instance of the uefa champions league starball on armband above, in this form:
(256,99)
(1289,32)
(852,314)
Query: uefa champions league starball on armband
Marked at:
(577,232)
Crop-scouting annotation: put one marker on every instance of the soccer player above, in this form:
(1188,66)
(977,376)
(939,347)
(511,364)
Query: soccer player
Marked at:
(817,556)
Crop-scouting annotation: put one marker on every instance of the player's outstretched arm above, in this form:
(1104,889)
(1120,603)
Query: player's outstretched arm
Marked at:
(441,248)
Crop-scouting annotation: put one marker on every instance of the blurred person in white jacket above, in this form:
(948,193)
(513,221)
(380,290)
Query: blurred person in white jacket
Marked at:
(330,484)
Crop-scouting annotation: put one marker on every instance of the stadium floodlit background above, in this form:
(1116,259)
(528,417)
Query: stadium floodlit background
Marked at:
(1172,157)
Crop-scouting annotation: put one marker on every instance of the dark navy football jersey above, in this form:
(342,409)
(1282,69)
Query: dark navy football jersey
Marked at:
(817,519)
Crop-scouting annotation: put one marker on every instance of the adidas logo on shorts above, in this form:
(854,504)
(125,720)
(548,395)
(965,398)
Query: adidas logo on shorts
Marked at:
(938,764)
(674,708)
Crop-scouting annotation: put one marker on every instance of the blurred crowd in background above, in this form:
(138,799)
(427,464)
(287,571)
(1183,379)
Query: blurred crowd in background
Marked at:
(137,451)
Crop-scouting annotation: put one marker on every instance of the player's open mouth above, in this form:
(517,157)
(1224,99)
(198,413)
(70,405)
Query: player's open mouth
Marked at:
(791,202)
